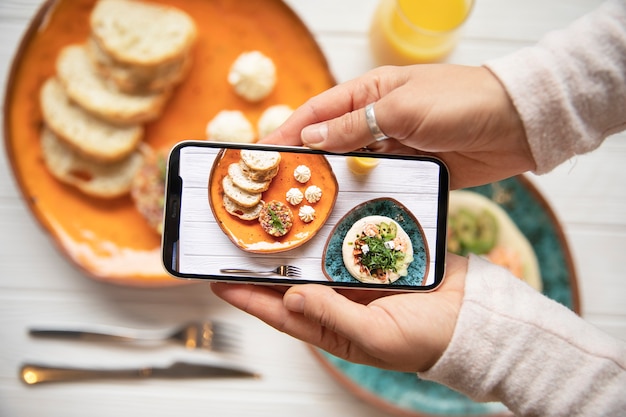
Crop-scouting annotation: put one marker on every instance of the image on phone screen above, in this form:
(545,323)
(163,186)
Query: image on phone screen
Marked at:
(239,212)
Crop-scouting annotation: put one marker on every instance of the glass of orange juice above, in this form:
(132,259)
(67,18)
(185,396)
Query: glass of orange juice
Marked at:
(405,32)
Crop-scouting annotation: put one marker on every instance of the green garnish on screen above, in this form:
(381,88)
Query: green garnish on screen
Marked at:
(379,256)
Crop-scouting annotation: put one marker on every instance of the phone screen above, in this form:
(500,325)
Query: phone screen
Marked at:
(243,213)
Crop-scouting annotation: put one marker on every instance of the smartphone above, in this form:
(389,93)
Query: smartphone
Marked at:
(291,215)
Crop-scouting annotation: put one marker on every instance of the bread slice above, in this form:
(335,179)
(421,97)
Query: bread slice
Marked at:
(141,34)
(85,87)
(260,161)
(239,196)
(92,137)
(241,180)
(244,213)
(138,79)
(92,178)
(258,175)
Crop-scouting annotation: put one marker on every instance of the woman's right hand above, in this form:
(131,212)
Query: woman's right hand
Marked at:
(460,114)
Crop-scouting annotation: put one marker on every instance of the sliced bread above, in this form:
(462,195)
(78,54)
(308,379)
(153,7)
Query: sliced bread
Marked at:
(258,175)
(239,196)
(244,213)
(94,179)
(92,137)
(141,34)
(138,79)
(88,89)
(260,161)
(241,180)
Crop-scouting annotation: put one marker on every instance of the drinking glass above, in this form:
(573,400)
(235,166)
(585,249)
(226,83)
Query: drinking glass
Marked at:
(407,32)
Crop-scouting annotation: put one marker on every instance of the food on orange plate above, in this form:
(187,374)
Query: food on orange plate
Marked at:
(478,225)
(148,188)
(139,46)
(96,179)
(230,126)
(272,118)
(253,76)
(246,180)
(294,196)
(95,107)
(313,194)
(91,137)
(241,180)
(276,218)
(306,213)
(377,250)
(302,174)
(89,90)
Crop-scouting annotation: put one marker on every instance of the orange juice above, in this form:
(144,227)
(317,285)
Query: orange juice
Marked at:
(361,165)
(407,32)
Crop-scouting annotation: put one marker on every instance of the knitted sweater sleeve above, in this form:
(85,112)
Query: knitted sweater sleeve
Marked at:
(570,88)
(514,345)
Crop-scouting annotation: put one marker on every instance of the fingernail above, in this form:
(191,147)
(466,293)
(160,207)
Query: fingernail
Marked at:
(294,302)
(314,134)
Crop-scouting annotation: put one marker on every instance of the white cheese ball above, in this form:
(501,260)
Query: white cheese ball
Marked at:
(313,194)
(273,117)
(302,173)
(294,196)
(230,126)
(306,214)
(253,76)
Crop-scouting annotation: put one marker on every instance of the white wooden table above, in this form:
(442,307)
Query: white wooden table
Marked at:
(39,286)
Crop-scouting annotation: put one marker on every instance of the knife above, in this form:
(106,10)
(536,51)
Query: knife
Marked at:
(32,374)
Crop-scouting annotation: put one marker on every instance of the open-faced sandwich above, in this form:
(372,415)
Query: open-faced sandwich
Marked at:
(480,226)
(377,250)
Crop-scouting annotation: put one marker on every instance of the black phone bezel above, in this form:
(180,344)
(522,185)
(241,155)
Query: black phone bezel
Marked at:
(172,202)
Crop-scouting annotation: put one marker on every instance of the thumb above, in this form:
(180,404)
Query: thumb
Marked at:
(341,134)
(328,308)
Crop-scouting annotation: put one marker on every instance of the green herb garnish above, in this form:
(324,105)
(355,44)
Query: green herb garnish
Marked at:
(276,222)
(379,257)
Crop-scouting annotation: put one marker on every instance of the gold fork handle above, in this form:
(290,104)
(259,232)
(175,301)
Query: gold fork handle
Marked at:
(246,271)
(32,374)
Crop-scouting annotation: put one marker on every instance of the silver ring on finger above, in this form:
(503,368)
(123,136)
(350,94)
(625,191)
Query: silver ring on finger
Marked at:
(375,130)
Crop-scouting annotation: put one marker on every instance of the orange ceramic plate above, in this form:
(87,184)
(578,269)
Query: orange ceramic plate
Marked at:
(248,235)
(109,240)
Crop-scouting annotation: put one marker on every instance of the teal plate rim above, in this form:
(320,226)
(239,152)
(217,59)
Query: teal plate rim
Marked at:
(404,394)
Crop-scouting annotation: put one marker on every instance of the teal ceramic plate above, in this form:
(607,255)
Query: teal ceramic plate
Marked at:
(404,394)
(332,261)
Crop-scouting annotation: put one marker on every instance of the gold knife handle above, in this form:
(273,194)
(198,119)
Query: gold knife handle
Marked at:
(32,374)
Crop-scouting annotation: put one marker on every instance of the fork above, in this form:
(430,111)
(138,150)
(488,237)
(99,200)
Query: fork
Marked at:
(282,270)
(193,335)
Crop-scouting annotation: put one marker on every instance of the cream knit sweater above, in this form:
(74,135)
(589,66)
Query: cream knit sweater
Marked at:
(510,343)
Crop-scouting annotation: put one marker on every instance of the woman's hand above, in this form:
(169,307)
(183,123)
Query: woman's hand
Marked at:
(398,331)
(460,114)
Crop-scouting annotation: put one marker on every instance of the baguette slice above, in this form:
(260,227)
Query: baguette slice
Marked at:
(260,161)
(244,213)
(137,79)
(94,179)
(241,180)
(258,175)
(141,34)
(239,196)
(84,86)
(92,137)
